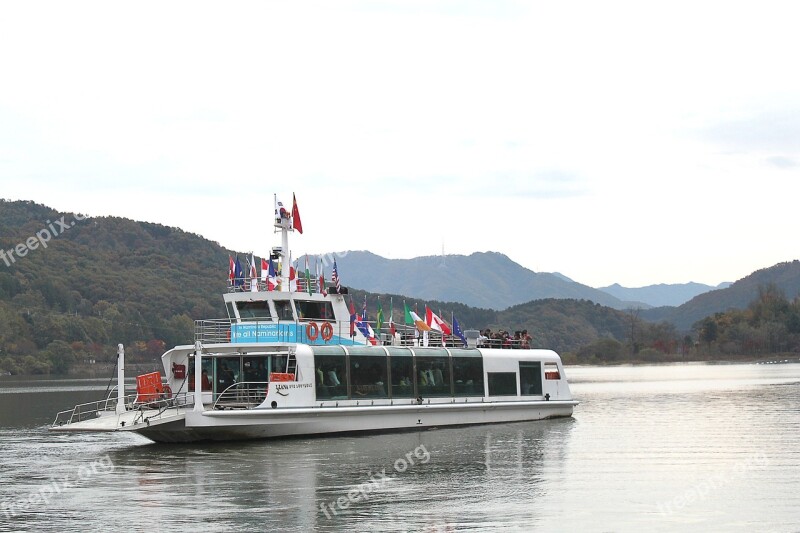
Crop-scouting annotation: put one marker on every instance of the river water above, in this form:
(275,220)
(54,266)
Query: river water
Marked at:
(689,447)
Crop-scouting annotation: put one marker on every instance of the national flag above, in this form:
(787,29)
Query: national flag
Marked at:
(272,279)
(281,214)
(363,325)
(352,318)
(434,322)
(320,278)
(457,331)
(392,329)
(264,270)
(231,270)
(408,318)
(292,275)
(308,277)
(335,278)
(379,317)
(238,275)
(253,274)
(421,325)
(296,223)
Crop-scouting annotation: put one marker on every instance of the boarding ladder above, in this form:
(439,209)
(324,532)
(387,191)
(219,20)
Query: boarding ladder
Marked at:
(291,365)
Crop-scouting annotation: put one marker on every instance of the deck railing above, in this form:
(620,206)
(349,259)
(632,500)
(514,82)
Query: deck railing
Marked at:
(108,406)
(242,395)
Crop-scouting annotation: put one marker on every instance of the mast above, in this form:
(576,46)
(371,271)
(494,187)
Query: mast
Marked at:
(283,222)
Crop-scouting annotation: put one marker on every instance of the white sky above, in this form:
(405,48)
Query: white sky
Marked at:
(628,142)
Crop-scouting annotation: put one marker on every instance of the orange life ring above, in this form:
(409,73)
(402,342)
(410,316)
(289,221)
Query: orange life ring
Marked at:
(312,331)
(326,331)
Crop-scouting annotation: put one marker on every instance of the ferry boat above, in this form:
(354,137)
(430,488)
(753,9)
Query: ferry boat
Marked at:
(288,362)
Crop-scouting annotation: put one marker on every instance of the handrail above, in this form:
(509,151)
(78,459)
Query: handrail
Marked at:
(91,410)
(218,331)
(244,283)
(242,395)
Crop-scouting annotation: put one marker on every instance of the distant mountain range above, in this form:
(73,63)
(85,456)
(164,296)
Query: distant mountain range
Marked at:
(492,280)
(662,294)
(784,276)
(483,279)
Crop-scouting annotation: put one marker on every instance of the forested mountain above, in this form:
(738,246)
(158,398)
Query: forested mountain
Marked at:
(482,279)
(784,276)
(73,288)
(99,282)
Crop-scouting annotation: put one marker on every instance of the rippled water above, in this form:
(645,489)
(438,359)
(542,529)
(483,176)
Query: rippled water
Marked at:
(684,447)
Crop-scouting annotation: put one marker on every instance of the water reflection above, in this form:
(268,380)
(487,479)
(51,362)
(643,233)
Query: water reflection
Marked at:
(439,479)
(642,439)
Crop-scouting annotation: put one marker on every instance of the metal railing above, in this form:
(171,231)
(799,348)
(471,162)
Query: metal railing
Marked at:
(245,284)
(213,331)
(108,407)
(243,395)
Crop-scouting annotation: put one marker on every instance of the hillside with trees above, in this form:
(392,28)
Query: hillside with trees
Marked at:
(784,276)
(108,280)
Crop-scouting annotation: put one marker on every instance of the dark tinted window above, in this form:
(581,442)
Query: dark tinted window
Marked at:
(502,383)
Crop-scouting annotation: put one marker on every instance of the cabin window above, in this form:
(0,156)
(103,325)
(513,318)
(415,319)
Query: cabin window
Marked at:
(283,308)
(330,369)
(230,309)
(530,378)
(314,310)
(402,372)
(368,373)
(205,379)
(502,383)
(257,369)
(467,373)
(551,371)
(227,371)
(433,373)
(254,309)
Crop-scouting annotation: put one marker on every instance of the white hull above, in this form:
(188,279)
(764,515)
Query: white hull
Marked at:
(269,423)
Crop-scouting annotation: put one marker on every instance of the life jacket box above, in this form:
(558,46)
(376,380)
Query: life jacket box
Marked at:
(281,376)
(149,387)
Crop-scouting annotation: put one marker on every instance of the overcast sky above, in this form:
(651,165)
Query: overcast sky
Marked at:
(628,142)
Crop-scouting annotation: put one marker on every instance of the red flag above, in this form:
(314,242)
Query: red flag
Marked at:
(231,269)
(296,224)
(352,318)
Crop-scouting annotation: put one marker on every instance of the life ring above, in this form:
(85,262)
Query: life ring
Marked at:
(312,331)
(166,392)
(326,331)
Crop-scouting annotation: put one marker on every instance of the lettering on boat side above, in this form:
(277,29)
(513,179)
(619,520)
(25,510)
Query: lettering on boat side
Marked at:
(376,481)
(284,386)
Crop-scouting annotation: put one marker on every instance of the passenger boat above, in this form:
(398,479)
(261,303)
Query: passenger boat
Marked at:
(298,362)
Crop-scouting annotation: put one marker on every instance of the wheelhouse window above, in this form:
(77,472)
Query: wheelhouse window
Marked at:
(368,373)
(308,310)
(433,373)
(551,371)
(254,310)
(467,373)
(502,383)
(283,308)
(530,378)
(231,312)
(402,372)
(330,369)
